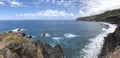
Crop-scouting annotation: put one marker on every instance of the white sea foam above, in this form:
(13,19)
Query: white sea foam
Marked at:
(16,30)
(104,29)
(94,47)
(53,45)
(30,35)
(57,38)
(69,35)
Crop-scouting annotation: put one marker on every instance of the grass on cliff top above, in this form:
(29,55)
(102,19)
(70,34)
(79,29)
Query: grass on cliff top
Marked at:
(7,38)
(14,37)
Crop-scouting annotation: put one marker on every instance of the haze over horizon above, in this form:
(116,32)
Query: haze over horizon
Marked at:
(53,9)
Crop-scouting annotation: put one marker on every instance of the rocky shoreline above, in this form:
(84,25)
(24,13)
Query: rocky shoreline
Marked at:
(18,45)
(112,41)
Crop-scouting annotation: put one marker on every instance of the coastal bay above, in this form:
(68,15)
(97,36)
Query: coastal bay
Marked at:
(111,42)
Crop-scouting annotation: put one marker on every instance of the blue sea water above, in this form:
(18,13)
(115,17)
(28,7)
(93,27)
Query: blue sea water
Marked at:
(72,46)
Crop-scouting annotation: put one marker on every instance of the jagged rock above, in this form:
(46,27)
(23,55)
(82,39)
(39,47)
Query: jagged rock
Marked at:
(23,34)
(17,45)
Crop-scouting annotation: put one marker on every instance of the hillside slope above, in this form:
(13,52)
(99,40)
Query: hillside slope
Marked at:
(112,16)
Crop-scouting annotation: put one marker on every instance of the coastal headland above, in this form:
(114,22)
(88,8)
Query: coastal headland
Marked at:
(111,46)
(19,45)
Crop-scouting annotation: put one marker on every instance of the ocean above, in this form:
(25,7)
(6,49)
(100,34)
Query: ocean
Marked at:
(79,39)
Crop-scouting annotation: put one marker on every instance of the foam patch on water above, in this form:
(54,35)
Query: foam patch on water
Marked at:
(53,45)
(104,29)
(16,30)
(94,47)
(30,35)
(57,38)
(69,35)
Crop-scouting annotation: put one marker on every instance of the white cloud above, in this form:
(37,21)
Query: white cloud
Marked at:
(2,3)
(53,1)
(60,2)
(15,3)
(66,3)
(12,3)
(49,13)
(93,7)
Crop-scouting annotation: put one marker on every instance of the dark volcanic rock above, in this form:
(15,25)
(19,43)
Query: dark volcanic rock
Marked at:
(17,45)
(109,45)
(111,42)
(49,51)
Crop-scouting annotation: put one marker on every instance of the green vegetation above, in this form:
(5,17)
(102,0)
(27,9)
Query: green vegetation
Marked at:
(14,38)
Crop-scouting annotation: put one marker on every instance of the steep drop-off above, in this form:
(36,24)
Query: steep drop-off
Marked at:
(112,41)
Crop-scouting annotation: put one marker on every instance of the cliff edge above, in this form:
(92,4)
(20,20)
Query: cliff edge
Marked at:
(18,45)
(111,44)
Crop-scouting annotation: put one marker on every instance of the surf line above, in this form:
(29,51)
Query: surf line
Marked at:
(92,50)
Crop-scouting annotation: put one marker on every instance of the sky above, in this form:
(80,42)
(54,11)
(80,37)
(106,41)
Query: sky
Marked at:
(53,9)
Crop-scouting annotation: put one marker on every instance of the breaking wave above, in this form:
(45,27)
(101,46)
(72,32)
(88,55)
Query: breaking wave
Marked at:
(94,47)
(69,35)
(16,30)
(56,38)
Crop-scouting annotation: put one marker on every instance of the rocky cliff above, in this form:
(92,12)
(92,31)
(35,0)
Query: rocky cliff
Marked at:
(112,41)
(18,45)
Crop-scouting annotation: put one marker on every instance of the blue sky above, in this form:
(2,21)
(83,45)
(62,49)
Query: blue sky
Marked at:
(53,9)
(39,9)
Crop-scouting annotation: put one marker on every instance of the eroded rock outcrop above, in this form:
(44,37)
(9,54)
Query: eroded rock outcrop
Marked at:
(17,45)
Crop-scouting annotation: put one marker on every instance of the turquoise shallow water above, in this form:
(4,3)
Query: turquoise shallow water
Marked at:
(80,31)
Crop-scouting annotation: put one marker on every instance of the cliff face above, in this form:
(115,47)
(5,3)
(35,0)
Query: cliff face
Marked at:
(18,45)
(112,41)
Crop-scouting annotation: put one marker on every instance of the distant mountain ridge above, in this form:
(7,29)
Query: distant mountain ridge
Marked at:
(111,16)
